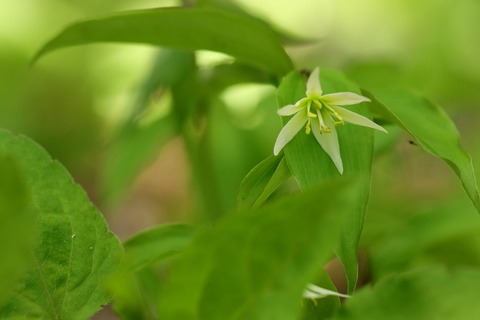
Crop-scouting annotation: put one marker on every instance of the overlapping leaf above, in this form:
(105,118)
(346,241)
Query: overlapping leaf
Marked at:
(432,294)
(262,181)
(255,265)
(157,243)
(75,251)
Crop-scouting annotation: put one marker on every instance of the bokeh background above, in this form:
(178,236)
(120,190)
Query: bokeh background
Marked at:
(74,102)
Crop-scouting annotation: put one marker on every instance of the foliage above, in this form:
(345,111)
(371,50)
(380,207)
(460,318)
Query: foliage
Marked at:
(260,226)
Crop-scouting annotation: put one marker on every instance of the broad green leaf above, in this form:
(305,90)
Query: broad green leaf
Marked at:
(255,264)
(75,251)
(262,181)
(309,164)
(154,244)
(183,28)
(16,226)
(431,294)
(433,130)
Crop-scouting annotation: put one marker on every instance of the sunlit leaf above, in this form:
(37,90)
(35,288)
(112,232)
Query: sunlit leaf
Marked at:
(427,294)
(183,28)
(256,264)
(75,251)
(433,130)
(309,164)
(16,226)
(262,181)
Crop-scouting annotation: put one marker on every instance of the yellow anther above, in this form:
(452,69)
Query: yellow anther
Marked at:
(326,129)
(339,123)
(311,115)
(308,129)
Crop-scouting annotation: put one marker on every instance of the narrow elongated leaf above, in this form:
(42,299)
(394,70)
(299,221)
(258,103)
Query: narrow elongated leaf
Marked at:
(75,251)
(157,243)
(169,68)
(255,264)
(16,226)
(433,130)
(310,164)
(183,28)
(431,294)
(136,145)
(262,181)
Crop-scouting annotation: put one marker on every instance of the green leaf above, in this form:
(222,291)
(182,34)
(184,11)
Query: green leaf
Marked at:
(256,264)
(169,68)
(16,226)
(262,181)
(309,164)
(157,243)
(182,28)
(433,130)
(431,294)
(75,251)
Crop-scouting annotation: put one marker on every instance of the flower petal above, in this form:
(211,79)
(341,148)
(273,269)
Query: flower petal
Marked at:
(289,131)
(315,292)
(355,118)
(328,141)
(343,98)
(289,110)
(313,84)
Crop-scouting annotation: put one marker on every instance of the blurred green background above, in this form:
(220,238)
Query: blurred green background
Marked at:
(73,102)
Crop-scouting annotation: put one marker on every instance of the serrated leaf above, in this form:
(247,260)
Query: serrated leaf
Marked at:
(16,226)
(432,294)
(262,181)
(154,244)
(433,130)
(255,264)
(310,164)
(182,28)
(75,251)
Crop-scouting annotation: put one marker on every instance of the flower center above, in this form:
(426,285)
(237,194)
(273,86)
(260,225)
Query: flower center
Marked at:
(317,106)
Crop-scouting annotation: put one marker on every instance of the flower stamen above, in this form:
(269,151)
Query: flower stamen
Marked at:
(308,127)
(323,127)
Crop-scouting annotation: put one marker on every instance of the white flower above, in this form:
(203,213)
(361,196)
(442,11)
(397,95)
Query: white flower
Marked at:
(320,114)
(314,292)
